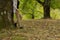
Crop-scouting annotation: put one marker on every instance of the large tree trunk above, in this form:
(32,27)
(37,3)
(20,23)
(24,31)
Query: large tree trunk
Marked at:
(46,7)
(6,13)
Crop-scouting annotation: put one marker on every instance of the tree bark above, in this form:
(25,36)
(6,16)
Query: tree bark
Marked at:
(46,7)
(6,13)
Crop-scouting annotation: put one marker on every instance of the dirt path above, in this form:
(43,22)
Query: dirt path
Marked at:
(34,30)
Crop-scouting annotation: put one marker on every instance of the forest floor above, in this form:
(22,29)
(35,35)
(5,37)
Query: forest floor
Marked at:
(44,29)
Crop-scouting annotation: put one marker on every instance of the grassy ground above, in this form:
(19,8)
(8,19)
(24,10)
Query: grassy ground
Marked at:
(43,29)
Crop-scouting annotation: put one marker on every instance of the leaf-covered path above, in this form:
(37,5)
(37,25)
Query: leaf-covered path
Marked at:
(44,29)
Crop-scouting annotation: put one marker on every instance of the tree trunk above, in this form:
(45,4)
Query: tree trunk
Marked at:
(46,7)
(6,13)
(32,16)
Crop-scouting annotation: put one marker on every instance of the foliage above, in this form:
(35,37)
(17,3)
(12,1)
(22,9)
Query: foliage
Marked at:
(55,14)
(55,3)
(28,7)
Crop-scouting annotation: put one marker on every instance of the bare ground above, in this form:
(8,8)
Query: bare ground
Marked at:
(44,29)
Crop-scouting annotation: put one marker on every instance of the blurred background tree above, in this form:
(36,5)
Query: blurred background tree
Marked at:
(28,7)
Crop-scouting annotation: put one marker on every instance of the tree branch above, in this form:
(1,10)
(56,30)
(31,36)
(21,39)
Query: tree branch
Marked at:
(42,3)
